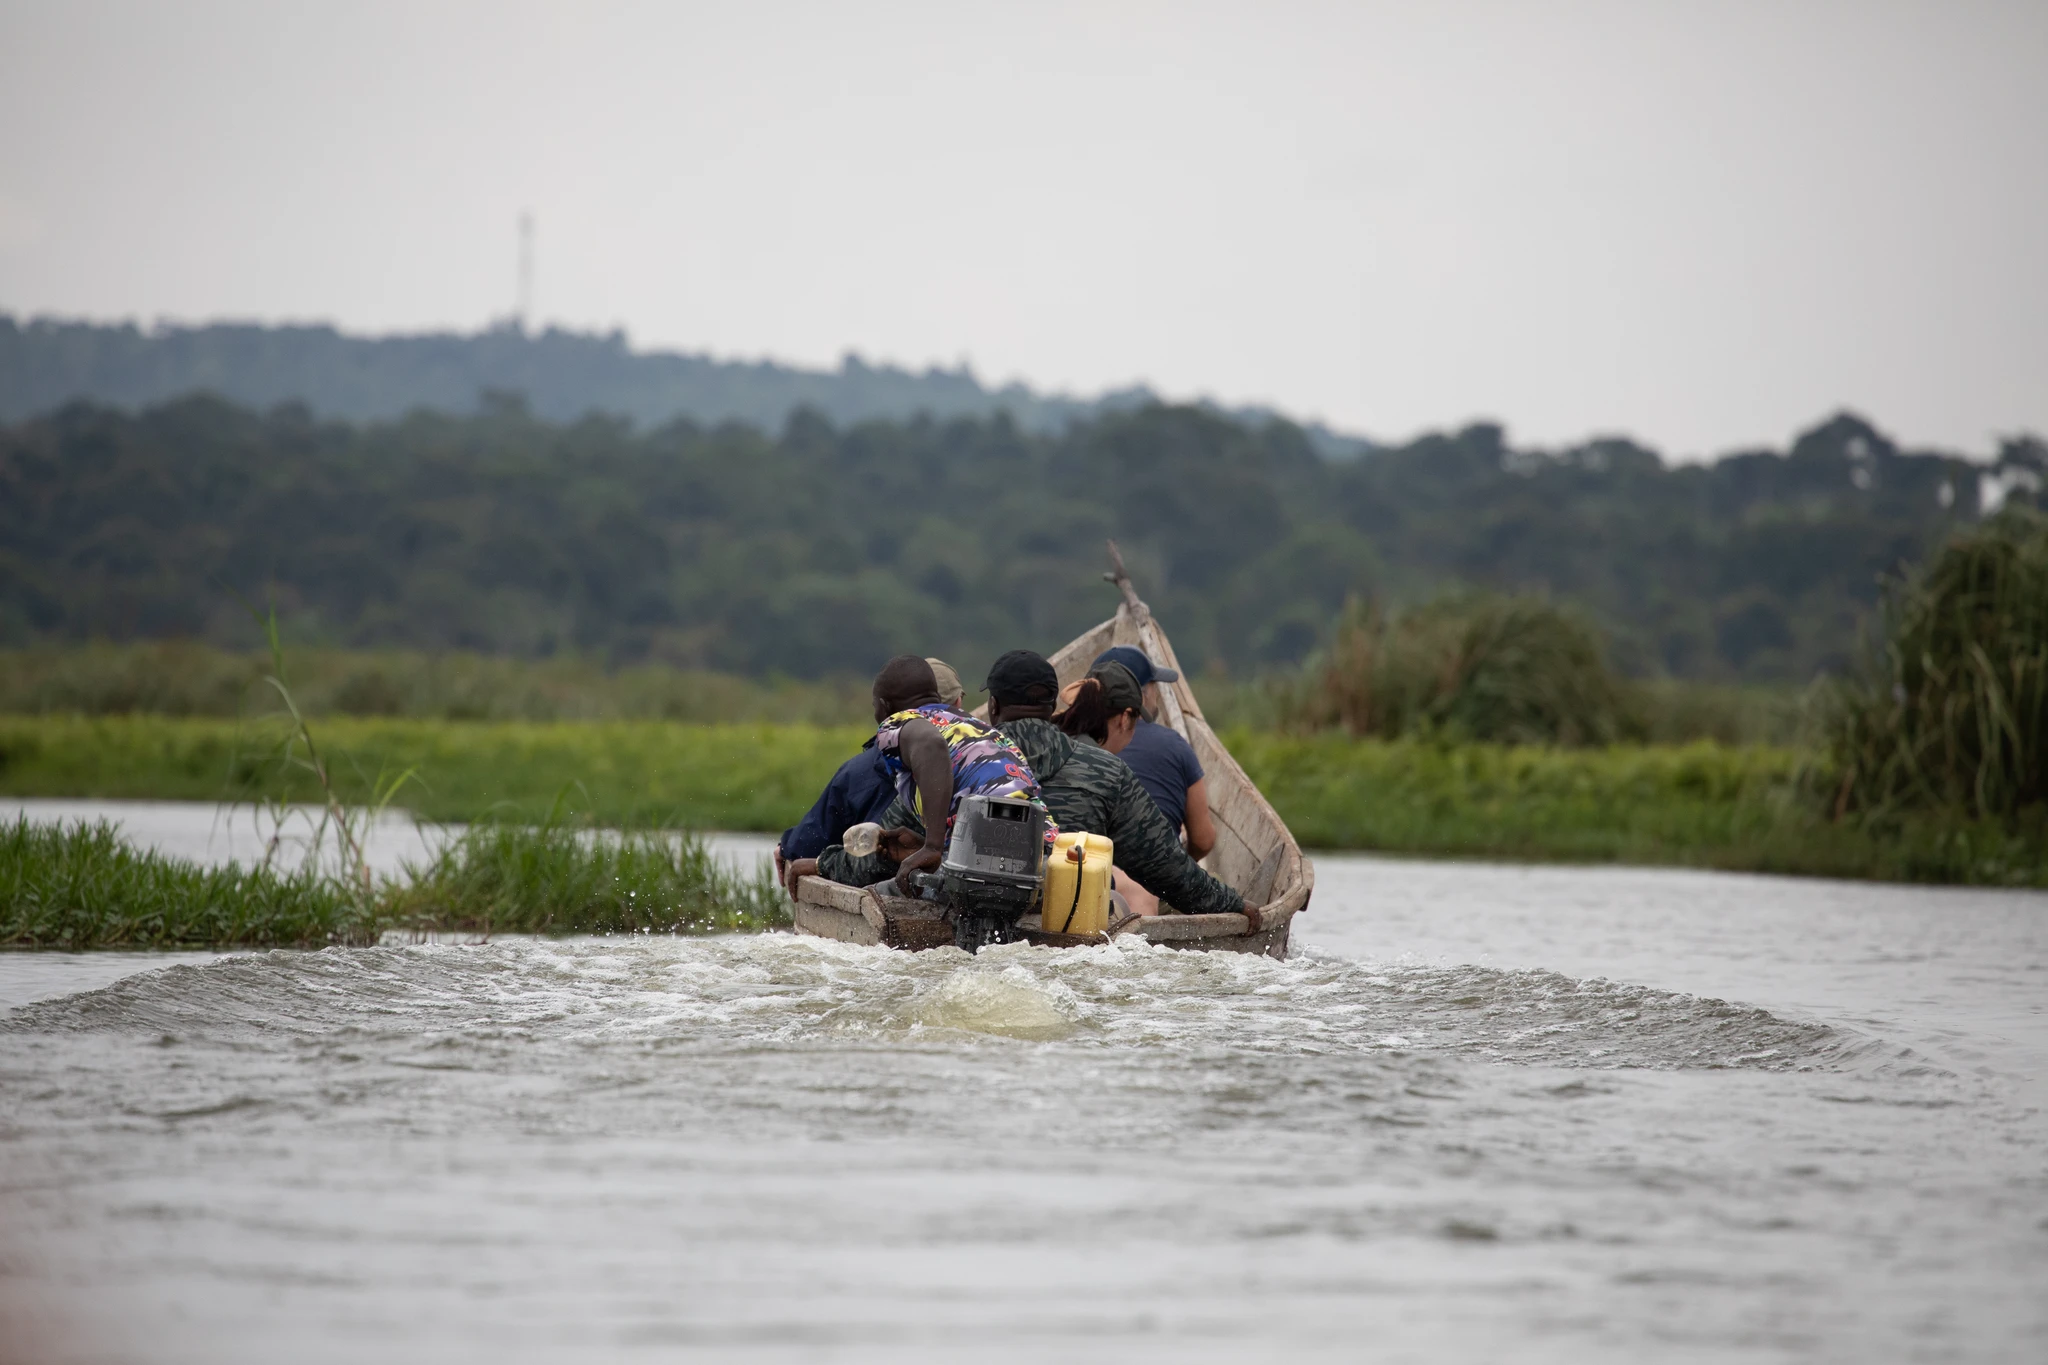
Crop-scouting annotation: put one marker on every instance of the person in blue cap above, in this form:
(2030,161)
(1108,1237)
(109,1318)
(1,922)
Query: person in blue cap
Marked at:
(1165,763)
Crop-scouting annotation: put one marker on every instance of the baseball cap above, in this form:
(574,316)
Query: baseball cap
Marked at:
(1119,686)
(1141,667)
(1021,678)
(950,689)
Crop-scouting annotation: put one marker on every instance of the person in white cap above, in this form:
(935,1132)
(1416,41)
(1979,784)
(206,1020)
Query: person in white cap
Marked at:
(950,690)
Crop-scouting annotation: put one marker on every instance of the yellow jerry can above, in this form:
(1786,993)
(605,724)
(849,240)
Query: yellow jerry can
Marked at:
(1077,884)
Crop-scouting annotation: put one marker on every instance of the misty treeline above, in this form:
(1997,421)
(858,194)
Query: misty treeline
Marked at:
(46,362)
(821,549)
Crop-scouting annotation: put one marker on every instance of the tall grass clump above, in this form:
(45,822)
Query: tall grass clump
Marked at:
(563,878)
(79,886)
(1680,711)
(297,750)
(1950,715)
(1465,666)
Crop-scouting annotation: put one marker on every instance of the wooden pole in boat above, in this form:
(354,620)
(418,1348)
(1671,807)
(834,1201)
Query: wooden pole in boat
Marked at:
(1173,703)
(1123,583)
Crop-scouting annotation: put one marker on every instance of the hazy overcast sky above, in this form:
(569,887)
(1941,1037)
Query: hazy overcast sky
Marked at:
(1706,225)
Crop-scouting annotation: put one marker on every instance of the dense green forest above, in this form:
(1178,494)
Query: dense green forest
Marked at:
(821,549)
(564,375)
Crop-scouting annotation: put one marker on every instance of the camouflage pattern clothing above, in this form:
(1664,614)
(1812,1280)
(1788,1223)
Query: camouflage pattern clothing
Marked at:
(835,864)
(1085,787)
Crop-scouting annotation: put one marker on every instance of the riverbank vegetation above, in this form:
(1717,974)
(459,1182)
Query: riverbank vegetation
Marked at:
(1470,665)
(187,678)
(1743,809)
(1951,713)
(1474,724)
(621,773)
(561,877)
(181,678)
(80,886)
(1739,807)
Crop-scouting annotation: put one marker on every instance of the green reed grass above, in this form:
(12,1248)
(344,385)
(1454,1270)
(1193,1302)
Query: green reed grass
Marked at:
(1952,714)
(180,678)
(1654,711)
(1704,804)
(80,886)
(1470,666)
(562,878)
(1680,711)
(298,751)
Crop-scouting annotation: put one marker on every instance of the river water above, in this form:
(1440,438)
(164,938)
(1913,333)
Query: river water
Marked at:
(1482,1113)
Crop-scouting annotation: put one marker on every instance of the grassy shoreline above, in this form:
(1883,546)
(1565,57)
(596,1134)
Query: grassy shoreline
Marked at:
(1696,805)
(78,885)
(1705,805)
(619,773)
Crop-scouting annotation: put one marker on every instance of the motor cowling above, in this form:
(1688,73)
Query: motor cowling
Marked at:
(993,870)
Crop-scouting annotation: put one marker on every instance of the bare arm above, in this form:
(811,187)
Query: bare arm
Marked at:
(1201,829)
(923,750)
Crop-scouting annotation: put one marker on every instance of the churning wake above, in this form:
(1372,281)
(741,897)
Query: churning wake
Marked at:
(784,990)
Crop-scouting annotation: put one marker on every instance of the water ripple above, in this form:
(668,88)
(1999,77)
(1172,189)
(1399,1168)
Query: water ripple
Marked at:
(452,1004)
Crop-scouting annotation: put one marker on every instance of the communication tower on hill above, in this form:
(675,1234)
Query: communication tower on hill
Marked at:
(523,313)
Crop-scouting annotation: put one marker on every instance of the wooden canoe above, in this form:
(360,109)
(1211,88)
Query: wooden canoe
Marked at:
(1254,851)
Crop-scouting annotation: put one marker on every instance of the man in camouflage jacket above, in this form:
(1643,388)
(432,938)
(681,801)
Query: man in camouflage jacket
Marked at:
(1084,786)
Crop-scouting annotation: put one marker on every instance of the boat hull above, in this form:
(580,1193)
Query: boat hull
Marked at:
(1255,853)
(853,915)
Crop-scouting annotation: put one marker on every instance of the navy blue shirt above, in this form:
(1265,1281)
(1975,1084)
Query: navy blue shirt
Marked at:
(1166,767)
(861,790)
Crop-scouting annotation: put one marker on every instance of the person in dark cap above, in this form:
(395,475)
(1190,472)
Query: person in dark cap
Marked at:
(859,793)
(1164,762)
(1088,788)
(937,753)
(1102,708)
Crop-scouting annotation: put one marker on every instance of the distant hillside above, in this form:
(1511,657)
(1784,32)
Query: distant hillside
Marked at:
(560,375)
(823,548)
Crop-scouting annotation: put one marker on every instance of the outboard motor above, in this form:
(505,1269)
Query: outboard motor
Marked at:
(993,870)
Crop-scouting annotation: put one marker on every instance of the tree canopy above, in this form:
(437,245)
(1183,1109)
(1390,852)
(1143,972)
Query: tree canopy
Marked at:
(826,548)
